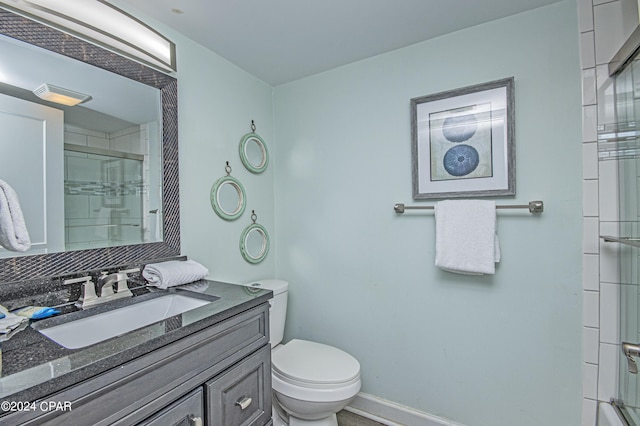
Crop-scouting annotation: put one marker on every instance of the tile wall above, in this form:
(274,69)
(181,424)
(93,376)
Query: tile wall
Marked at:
(604,26)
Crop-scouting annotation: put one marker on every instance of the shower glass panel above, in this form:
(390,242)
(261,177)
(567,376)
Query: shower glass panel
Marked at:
(627,150)
(105,199)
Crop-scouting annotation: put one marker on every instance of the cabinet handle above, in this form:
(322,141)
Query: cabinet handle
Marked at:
(195,421)
(244,402)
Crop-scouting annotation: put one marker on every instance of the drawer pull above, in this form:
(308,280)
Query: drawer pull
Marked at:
(195,421)
(244,402)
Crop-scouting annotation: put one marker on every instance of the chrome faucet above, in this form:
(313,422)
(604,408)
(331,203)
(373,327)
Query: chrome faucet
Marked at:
(105,284)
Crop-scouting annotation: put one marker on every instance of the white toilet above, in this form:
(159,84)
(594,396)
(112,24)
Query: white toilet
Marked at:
(311,381)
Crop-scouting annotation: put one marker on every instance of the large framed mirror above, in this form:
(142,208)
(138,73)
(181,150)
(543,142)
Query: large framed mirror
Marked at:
(165,220)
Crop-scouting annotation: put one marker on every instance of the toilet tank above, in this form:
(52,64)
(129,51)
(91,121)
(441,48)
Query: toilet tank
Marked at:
(277,309)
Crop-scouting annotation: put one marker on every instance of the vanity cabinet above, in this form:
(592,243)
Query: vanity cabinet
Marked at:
(218,376)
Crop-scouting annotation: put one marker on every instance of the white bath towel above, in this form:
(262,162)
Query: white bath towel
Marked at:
(13,229)
(174,272)
(466,239)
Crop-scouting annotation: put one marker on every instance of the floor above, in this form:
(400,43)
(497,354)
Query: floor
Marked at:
(347,418)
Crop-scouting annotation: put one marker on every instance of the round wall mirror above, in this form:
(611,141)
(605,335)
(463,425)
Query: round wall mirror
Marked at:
(254,243)
(253,153)
(228,198)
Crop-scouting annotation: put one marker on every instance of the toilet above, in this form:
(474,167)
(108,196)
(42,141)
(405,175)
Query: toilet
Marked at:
(311,381)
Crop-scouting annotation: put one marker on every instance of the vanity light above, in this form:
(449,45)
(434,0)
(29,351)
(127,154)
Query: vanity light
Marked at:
(101,23)
(60,95)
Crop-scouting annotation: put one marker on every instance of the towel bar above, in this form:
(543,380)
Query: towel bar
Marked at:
(533,206)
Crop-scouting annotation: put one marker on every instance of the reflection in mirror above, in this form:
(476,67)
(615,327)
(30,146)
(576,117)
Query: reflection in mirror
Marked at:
(253,153)
(254,243)
(228,198)
(102,177)
(101,157)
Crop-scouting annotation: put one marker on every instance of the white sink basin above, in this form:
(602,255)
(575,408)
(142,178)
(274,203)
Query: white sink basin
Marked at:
(97,328)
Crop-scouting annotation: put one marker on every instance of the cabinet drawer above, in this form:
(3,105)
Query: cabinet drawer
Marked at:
(241,396)
(187,411)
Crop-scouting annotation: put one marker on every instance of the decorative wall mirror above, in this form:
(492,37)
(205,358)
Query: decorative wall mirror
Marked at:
(253,151)
(254,241)
(228,196)
(56,43)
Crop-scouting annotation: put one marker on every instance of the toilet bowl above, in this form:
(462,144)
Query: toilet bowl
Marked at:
(311,381)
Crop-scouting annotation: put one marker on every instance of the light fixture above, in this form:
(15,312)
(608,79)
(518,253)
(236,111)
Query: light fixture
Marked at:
(60,95)
(101,23)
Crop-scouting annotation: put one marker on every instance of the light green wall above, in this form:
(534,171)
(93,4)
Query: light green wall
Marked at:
(217,101)
(497,350)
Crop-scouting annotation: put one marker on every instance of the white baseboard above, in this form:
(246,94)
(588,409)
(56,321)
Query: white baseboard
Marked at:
(393,414)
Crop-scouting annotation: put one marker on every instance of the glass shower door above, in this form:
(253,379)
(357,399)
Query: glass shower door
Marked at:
(627,93)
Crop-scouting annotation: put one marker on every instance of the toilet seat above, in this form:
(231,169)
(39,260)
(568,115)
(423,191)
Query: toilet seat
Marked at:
(314,372)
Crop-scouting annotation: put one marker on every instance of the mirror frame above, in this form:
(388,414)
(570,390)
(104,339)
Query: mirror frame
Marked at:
(46,265)
(245,158)
(215,198)
(265,243)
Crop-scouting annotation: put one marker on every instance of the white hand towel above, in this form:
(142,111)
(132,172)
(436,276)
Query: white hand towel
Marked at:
(13,230)
(174,272)
(466,239)
(10,321)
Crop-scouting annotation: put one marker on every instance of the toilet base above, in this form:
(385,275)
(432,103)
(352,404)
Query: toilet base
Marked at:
(332,420)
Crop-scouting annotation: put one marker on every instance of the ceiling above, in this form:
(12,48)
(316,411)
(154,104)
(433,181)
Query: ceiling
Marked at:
(284,40)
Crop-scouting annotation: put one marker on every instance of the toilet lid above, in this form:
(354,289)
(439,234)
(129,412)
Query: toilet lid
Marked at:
(314,363)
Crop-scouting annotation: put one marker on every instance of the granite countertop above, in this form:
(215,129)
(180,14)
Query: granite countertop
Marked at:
(34,366)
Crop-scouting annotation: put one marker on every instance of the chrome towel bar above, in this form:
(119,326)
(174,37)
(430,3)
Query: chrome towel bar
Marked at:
(533,206)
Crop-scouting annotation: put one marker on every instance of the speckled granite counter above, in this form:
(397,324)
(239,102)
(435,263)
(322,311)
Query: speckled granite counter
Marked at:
(34,366)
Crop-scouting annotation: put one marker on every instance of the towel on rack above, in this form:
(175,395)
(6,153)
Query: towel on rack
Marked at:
(466,239)
(13,229)
(174,272)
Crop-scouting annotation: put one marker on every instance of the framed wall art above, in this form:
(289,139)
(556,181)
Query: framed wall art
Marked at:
(463,142)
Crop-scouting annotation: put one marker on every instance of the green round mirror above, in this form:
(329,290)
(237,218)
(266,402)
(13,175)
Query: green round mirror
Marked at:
(228,198)
(254,242)
(253,153)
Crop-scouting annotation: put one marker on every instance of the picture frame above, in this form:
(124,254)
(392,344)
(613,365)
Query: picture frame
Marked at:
(463,142)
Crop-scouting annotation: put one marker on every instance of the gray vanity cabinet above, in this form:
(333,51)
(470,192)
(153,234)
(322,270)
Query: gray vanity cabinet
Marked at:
(219,376)
(188,411)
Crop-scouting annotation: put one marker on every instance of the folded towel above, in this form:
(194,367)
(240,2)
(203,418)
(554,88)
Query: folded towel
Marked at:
(10,321)
(174,272)
(13,230)
(466,239)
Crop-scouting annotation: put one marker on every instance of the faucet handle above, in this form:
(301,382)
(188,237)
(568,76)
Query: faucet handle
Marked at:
(630,350)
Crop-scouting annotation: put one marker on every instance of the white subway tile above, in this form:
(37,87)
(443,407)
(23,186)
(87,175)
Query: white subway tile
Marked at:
(590,344)
(589,86)
(587,50)
(608,190)
(590,160)
(611,29)
(609,313)
(591,272)
(589,123)
(590,309)
(608,372)
(590,235)
(589,412)
(585,15)
(590,381)
(590,197)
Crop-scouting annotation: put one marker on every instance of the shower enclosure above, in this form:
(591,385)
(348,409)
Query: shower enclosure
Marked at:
(624,146)
(105,198)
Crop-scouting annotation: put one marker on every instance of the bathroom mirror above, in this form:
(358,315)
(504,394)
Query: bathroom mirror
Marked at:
(228,198)
(166,237)
(254,243)
(253,153)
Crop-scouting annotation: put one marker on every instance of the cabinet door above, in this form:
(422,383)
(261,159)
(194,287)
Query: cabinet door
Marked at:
(241,396)
(187,411)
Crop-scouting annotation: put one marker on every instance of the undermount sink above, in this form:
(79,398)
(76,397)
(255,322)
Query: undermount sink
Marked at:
(93,329)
